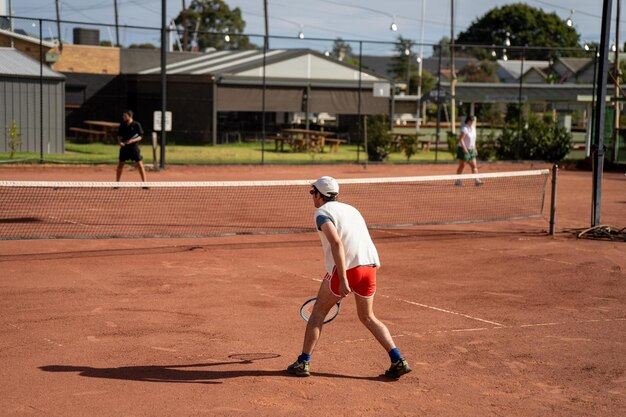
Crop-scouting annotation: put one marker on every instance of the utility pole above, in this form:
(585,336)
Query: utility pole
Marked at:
(452,72)
(267,30)
(56,3)
(11,28)
(616,94)
(117,26)
(184,26)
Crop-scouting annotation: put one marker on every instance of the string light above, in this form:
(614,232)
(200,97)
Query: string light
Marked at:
(569,22)
(394,25)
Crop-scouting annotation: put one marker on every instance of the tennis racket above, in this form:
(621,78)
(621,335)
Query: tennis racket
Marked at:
(307,309)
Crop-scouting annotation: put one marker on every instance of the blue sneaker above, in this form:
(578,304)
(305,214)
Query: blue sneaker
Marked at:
(299,369)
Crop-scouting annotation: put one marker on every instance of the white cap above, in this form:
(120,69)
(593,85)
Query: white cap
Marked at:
(327,186)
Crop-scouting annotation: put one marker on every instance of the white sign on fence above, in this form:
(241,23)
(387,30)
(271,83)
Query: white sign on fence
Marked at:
(381,90)
(156,125)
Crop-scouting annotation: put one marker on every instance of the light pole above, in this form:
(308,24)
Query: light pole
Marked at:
(452,72)
(420,60)
(117,26)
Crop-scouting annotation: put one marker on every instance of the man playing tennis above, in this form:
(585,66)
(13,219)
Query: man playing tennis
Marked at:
(351,262)
(128,136)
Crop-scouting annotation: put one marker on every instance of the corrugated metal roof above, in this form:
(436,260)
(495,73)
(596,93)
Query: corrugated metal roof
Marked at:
(27,38)
(218,61)
(16,64)
(281,63)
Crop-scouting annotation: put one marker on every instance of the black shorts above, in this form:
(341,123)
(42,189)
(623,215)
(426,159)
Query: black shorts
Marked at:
(130,152)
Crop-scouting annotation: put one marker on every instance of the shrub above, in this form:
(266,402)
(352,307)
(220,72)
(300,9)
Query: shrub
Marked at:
(452,143)
(539,140)
(378,138)
(409,146)
(486,145)
(14,138)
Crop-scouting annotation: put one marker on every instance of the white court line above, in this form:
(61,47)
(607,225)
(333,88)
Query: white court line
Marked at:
(447,311)
(478,329)
(437,309)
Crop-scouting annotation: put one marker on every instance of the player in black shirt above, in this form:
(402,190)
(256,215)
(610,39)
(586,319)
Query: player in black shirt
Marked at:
(128,135)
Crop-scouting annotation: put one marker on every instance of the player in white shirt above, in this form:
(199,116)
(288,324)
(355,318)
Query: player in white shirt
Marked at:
(351,262)
(466,150)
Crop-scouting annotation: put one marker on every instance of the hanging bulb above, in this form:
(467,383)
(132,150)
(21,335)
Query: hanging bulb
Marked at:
(569,22)
(394,26)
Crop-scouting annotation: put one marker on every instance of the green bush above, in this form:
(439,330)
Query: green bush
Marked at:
(378,138)
(486,145)
(540,140)
(452,143)
(409,146)
(14,136)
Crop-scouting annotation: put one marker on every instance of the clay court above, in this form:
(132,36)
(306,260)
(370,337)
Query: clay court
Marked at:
(496,319)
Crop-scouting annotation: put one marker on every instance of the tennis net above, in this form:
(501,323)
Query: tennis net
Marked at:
(40,210)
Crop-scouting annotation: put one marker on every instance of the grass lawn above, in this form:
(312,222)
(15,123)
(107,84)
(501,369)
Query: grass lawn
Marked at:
(244,153)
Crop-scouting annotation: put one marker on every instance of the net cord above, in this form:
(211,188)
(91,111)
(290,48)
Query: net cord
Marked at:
(191,184)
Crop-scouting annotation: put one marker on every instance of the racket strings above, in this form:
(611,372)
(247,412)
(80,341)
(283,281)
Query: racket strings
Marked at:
(307,310)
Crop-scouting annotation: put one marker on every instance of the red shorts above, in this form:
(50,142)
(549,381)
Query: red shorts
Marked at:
(362,280)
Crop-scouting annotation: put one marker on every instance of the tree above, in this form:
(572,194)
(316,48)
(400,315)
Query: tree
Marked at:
(403,71)
(527,26)
(482,72)
(444,45)
(399,65)
(212,20)
(341,49)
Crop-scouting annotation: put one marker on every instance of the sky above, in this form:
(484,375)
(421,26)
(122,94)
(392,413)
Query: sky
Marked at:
(366,20)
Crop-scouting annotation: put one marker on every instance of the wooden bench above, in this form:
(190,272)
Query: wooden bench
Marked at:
(424,145)
(279,142)
(397,144)
(333,144)
(89,134)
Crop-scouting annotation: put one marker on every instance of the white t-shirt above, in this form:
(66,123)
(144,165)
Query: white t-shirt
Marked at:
(352,230)
(469,137)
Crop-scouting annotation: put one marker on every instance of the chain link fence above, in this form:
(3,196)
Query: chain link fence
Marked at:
(300,100)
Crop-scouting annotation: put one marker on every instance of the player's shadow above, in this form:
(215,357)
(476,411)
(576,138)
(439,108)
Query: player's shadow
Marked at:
(182,373)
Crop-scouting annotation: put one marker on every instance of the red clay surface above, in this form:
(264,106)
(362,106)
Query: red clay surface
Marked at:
(496,319)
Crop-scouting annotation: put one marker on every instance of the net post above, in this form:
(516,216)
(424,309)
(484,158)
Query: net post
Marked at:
(555,170)
(155,165)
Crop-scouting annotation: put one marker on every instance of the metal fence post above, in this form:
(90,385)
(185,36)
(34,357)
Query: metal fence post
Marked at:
(40,91)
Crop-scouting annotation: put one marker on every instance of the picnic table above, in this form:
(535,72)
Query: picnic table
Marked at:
(397,140)
(303,139)
(109,128)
